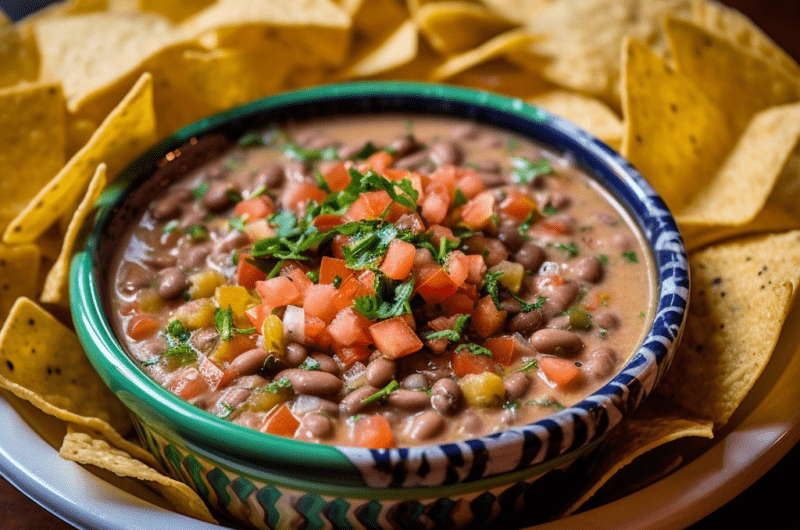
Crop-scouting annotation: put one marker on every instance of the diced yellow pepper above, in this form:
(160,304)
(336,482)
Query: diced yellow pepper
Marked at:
(273,335)
(512,275)
(483,390)
(264,400)
(228,350)
(238,299)
(149,301)
(203,284)
(196,314)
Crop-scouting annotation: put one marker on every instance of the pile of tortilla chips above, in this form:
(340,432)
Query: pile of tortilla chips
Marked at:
(702,102)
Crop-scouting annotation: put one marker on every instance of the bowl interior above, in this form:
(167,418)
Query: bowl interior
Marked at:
(560,434)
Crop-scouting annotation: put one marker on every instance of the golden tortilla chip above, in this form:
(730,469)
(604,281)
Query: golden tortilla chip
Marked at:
(398,49)
(175,10)
(19,272)
(455,27)
(741,293)
(42,362)
(18,60)
(310,31)
(500,75)
(736,27)
(418,69)
(505,43)
(657,422)
(587,113)
(732,78)
(56,286)
(676,136)
(88,52)
(124,134)
(84,448)
(750,171)
(584,39)
(32,136)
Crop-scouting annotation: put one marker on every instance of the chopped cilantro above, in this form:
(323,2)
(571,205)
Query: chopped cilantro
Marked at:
(233,195)
(459,199)
(527,366)
(223,321)
(310,364)
(200,190)
(603,259)
(302,154)
(549,210)
(337,281)
(452,335)
(390,300)
(570,248)
(226,411)
(525,171)
(197,233)
(313,276)
(546,402)
(170,226)
(492,287)
(382,393)
(277,385)
(476,349)
(237,223)
(631,256)
(252,139)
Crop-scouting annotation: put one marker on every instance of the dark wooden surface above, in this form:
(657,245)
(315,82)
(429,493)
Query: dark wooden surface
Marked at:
(771,502)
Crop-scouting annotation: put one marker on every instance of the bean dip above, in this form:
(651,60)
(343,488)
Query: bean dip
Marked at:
(382,281)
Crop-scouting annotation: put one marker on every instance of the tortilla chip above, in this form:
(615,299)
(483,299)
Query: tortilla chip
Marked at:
(508,42)
(584,39)
(741,293)
(587,113)
(32,136)
(84,448)
(310,31)
(123,135)
(456,27)
(175,10)
(88,52)
(732,78)
(20,62)
(657,422)
(736,27)
(42,362)
(398,49)
(19,271)
(750,171)
(676,136)
(56,286)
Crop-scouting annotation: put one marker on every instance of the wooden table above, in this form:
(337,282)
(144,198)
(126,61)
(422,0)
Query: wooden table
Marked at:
(770,503)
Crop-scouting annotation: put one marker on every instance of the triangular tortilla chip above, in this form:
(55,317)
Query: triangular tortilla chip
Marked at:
(741,293)
(511,41)
(587,113)
(456,27)
(124,134)
(398,49)
(19,273)
(56,284)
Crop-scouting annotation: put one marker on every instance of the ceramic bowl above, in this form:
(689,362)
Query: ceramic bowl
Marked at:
(271,482)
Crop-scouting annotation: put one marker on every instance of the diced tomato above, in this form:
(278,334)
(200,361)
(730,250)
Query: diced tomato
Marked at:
(486,319)
(369,205)
(396,174)
(478,212)
(215,375)
(457,267)
(502,349)
(255,208)
(301,281)
(187,383)
(477,268)
(372,431)
(470,183)
(339,241)
(140,327)
(330,268)
(350,327)
(327,221)
(248,274)
(279,291)
(314,326)
(258,314)
(465,362)
(281,422)
(457,303)
(337,177)
(435,204)
(317,302)
(437,287)
(556,228)
(399,260)
(517,206)
(298,194)
(439,232)
(446,177)
(258,230)
(349,355)
(394,338)
(560,371)
(380,161)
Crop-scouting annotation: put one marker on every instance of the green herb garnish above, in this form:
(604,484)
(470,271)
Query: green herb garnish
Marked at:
(525,171)
(382,393)
(631,256)
(452,335)
(223,321)
(476,349)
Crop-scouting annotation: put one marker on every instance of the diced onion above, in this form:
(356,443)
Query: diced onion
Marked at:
(294,324)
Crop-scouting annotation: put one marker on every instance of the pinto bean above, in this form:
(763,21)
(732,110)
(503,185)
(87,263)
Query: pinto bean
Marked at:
(530,255)
(588,269)
(556,342)
(425,425)
(205,339)
(313,382)
(488,166)
(559,322)
(508,233)
(601,361)
(171,282)
(559,297)
(525,323)
(270,175)
(134,278)
(352,402)
(217,198)
(446,396)
(465,131)
(380,372)
(413,160)
(234,397)
(446,152)
(294,354)
(326,363)
(496,252)
(249,362)
(411,400)
(415,382)
(230,242)
(516,385)
(194,257)
(402,146)
(315,425)
(607,319)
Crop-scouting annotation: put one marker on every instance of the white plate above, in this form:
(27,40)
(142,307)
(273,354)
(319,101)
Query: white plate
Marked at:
(763,430)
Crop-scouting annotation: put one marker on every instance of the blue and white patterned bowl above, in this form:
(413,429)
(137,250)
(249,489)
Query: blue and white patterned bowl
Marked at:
(272,482)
